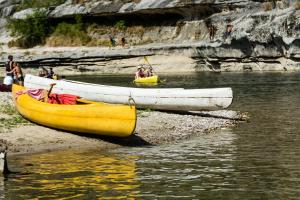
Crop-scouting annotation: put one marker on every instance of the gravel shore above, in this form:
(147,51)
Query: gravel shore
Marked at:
(153,128)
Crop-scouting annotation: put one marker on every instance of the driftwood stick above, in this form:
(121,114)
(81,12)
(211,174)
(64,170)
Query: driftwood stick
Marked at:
(3,162)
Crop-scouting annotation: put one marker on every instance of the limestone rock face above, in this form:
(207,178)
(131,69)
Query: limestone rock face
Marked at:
(262,36)
(117,7)
(7,7)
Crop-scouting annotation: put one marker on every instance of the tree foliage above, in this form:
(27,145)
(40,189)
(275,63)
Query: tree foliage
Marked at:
(74,31)
(30,31)
(121,25)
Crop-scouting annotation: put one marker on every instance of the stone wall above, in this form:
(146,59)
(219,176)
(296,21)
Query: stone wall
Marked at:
(261,39)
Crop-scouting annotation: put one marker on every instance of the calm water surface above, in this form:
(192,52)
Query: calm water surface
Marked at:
(255,160)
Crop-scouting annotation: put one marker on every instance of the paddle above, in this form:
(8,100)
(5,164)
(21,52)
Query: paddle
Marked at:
(146,59)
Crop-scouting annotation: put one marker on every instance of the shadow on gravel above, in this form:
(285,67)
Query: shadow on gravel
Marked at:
(130,141)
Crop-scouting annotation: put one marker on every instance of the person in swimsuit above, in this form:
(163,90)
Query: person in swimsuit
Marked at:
(9,66)
(18,73)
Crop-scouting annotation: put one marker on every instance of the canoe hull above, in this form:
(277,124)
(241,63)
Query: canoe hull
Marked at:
(152,79)
(90,117)
(161,99)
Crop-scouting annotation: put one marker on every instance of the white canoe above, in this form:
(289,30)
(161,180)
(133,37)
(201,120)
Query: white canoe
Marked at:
(178,99)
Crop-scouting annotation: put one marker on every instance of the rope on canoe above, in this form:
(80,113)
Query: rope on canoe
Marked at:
(131,101)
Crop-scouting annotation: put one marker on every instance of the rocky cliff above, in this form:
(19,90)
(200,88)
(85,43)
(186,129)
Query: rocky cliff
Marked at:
(176,35)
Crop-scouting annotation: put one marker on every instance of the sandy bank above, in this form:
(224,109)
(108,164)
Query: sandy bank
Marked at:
(153,128)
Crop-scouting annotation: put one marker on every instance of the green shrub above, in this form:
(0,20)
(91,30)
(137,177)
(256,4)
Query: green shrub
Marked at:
(69,34)
(13,118)
(30,31)
(121,25)
(74,32)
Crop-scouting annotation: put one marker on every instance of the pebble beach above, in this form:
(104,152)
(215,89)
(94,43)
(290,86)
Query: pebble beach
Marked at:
(153,128)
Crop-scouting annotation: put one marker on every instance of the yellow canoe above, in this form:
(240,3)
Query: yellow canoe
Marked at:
(84,117)
(151,79)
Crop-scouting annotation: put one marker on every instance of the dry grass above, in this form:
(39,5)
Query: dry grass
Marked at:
(101,30)
(12,43)
(98,30)
(20,42)
(145,41)
(55,41)
(98,36)
(267,6)
(136,30)
(99,42)
(297,5)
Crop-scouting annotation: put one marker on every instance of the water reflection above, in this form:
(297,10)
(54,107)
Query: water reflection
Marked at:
(187,169)
(146,85)
(2,187)
(69,175)
(259,159)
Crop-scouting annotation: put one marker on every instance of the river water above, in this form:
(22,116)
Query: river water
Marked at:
(259,159)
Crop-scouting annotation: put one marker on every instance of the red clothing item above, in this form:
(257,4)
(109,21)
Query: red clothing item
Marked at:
(62,99)
(141,74)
